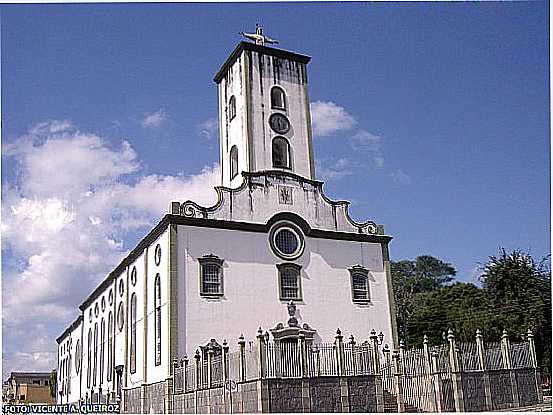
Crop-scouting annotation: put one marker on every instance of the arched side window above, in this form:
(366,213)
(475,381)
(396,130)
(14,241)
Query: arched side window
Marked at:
(232,108)
(133,334)
(110,345)
(233,162)
(360,292)
(278,98)
(95,371)
(102,348)
(157,306)
(89,359)
(281,153)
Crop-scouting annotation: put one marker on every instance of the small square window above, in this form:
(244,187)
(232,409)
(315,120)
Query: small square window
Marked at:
(211,276)
(289,281)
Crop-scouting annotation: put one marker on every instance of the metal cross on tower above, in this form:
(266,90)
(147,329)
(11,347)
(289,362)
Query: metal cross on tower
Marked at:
(258,36)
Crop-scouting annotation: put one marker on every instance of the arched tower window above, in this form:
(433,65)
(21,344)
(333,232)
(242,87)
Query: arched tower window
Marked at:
(281,153)
(102,348)
(278,98)
(157,306)
(133,333)
(95,371)
(89,358)
(233,162)
(110,345)
(232,108)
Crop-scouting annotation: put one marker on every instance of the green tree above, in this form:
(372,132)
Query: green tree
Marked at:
(520,291)
(409,278)
(462,307)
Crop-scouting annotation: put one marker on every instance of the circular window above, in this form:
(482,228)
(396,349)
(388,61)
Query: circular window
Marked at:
(120,316)
(157,254)
(133,276)
(103,303)
(286,241)
(121,287)
(78,357)
(110,297)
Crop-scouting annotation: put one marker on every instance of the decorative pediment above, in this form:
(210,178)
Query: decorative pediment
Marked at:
(266,193)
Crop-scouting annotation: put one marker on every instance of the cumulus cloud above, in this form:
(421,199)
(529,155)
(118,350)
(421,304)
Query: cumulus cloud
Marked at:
(370,145)
(209,128)
(154,119)
(335,169)
(64,220)
(328,118)
(400,177)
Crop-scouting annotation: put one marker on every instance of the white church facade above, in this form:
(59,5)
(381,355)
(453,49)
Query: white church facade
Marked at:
(272,238)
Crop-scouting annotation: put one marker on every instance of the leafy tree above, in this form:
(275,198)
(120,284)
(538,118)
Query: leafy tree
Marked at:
(520,292)
(409,278)
(462,307)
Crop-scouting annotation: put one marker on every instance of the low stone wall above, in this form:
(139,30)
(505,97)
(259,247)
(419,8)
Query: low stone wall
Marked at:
(131,401)
(149,399)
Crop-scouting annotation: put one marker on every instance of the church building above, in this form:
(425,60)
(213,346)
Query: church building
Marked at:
(273,237)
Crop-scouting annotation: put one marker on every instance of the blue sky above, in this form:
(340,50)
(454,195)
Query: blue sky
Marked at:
(439,129)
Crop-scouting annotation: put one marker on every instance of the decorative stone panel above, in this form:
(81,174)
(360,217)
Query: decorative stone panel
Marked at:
(285,395)
(325,394)
(362,394)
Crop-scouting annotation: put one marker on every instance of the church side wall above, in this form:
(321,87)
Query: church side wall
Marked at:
(251,291)
(138,289)
(157,373)
(68,352)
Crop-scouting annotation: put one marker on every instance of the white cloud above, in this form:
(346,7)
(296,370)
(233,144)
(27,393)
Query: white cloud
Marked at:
(63,225)
(155,119)
(370,144)
(328,118)
(209,128)
(330,170)
(400,177)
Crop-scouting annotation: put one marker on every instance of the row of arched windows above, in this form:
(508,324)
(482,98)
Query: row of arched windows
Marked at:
(281,156)
(278,101)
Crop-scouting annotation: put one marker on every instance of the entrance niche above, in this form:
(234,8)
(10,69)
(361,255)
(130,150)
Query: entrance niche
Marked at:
(289,353)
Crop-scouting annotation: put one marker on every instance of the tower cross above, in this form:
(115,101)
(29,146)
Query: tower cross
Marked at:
(258,36)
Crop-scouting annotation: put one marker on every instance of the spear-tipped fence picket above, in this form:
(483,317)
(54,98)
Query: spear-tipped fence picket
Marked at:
(449,377)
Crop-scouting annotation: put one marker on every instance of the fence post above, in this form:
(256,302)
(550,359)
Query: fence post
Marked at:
(398,373)
(534,363)
(507,364)
(352,348)
(302,362)
(197,358)
(184,365)
(428,371)
(437,381)
(344,392)
(373,348)
(339,341)
(485,375)
(242,358)
(455,373)
(387,357)
(210,353)
(262,352)
(225,374)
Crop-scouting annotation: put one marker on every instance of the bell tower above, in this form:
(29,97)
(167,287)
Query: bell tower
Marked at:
(264,116)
